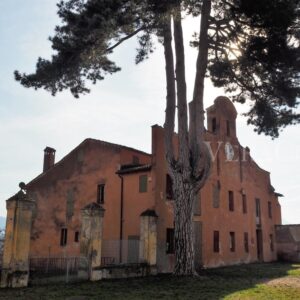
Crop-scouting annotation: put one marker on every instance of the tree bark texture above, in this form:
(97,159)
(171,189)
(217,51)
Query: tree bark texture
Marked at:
(183,218)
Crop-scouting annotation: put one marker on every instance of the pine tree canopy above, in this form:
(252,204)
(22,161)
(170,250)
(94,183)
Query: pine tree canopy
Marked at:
(254,51)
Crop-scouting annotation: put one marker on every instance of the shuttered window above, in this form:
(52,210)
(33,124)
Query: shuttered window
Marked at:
(143,181)
(170,249)
(76,237)
(63,236)
(271,243)
(216,241)
(231,200)
(270,209)
(100,193)
(246,242)
(232,241)
(169,187)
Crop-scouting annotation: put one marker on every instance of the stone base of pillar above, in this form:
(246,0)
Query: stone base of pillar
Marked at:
(14,279)
(96,275)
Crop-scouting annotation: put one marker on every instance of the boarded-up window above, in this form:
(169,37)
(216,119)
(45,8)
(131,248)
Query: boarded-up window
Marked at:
(63,236)
(70,204)
(76,237)
(231,200)
(271,243)
(133,249)
(169,187)
(270,209)
(216,194)
(246,242)
(257,207)
(216,241)
(244,199)
(170,241)
(232,241)
(143,180)
(100,193)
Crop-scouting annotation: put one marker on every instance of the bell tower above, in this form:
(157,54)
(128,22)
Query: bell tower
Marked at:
(221,118)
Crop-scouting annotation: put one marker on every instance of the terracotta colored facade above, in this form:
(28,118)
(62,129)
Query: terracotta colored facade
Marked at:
(234,218)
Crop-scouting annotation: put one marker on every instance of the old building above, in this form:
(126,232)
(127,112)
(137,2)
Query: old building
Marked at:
(234,217)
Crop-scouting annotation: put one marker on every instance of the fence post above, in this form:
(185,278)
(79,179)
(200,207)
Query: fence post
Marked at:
(148,237)
(91,238)
(15,267)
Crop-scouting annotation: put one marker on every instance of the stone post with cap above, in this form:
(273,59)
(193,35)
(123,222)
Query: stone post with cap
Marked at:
(91,238)
(148,237)
(15,260)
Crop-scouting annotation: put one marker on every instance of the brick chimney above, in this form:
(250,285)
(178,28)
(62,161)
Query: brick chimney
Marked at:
(49,158)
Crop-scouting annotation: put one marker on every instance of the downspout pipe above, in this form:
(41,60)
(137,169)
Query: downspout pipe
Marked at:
(121,216)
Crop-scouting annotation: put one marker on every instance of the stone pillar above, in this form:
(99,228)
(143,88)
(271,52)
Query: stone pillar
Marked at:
(148,237)
(91,238)
(15,264)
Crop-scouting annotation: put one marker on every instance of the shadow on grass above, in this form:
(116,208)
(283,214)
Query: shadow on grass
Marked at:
(211,284)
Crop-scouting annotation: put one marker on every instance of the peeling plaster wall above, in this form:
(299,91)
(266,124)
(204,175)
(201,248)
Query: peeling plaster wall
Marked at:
(64,190)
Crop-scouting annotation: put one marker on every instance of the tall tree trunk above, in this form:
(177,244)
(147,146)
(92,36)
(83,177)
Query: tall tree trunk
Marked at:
(188,172)
(183,184)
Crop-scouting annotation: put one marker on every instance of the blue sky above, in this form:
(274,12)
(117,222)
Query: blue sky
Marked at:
(120,109)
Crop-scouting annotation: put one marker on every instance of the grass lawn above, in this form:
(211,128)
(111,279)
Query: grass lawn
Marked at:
(256,281)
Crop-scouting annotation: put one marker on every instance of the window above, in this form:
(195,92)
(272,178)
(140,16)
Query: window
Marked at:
(143,183)
(216,194)
(76,237)
(63,236)
(214,125)
(244,199)
(246,242)
(231,200)
(100,193)
(216,241)
(228,128)
(170,241)
(257,206)
(169,187)
(271,243)
(232,241)
(270,209)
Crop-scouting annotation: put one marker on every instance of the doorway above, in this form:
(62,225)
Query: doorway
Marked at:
(259,245)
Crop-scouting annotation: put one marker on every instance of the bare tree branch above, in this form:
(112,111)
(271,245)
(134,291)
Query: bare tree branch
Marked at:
(125,38)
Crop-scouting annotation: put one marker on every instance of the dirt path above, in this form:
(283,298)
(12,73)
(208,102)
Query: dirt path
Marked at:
(288,281)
